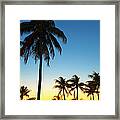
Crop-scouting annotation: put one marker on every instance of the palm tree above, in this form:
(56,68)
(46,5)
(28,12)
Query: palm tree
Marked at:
(40,43)
(96,79)
(74,84)
(24,92)
(90,87)
(61,85)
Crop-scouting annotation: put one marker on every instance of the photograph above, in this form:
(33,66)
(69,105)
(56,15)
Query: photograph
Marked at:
(60,56)
(59,59)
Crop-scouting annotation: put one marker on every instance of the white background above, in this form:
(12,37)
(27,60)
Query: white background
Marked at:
(104,13)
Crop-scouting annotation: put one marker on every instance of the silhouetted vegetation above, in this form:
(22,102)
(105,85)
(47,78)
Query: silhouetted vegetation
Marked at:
(90,89)
(58,97)
(24,92)
(73,85)
(61,84)
(96,81)
(40,43)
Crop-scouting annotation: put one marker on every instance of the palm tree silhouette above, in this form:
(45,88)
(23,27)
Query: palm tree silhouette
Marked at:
(61,85)
(40,43)
(74,84)
(96,79)
(24,92)
(90,87)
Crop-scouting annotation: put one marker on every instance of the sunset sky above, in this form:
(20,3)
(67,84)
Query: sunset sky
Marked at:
(80,56)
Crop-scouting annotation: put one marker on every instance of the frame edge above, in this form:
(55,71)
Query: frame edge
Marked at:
(117,25)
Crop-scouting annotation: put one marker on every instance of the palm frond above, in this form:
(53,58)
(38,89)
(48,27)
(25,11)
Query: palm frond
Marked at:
(21,43)
(57,81)
(57,32)
(50,46)
(81,84)
(69,85)
(90,76)
(58,86)
(66,91)
(61,79)
(72,89)
(55,43)
(59,92)
(46,53)
(25,50)
(75,77)
(51,23)
(88,94)
(82,88)
(26,27)
(70,80)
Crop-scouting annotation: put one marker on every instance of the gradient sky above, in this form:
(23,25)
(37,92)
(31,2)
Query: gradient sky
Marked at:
(80,56)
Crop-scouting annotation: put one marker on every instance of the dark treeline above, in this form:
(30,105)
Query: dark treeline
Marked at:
(73,86)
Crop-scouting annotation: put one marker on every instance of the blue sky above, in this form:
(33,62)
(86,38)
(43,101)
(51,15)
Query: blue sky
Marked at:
(80,56)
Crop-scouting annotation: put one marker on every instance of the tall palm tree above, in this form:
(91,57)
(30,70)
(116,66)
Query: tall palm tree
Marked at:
(40,43)
(96,79)
(61,85)
(24,92)
(74,84)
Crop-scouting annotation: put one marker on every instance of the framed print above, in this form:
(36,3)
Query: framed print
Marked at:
(60,60)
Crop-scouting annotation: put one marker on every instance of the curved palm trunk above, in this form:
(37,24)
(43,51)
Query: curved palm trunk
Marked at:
(40,78)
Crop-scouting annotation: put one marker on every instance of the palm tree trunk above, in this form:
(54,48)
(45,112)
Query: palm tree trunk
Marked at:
(90,97)
(98,96)
(40,78)
(74,94)
(93,96)
(64,94)
(77,92)
(21,97)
